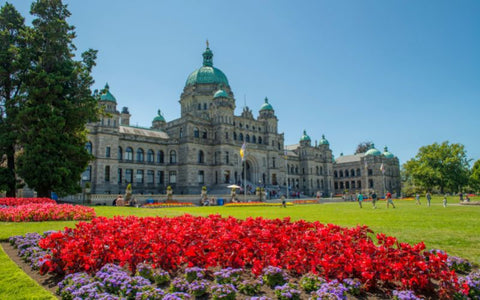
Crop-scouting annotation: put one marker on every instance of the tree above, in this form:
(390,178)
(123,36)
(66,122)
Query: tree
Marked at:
(474,179)
(439,165)
(14,63)
(58,106)
(363,147)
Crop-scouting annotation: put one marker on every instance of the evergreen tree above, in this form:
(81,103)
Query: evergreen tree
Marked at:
(59,104)
(439,165)
(14,62)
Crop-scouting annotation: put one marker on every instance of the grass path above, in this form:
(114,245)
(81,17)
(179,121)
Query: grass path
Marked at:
(455,229)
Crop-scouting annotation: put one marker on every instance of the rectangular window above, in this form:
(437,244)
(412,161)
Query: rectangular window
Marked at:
(172,177)
(227,157)
(150,177)
(107,173)
(160,176)
(201,177)
(128,175)
(139,176)
(107,152)
(87,174)
(370,172)
(120,176)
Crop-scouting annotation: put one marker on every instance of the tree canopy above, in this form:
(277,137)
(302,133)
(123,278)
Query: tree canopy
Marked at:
(444,166)
(50,120)
(474,180)
(363,147)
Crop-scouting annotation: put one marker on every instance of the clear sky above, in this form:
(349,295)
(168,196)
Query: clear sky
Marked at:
(402,74)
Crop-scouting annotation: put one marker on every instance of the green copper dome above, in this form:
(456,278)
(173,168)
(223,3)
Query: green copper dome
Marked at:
(207,74)
(159,118)
(107,96)
(323,141)
(372,151)
(387,154)
(220,94)
(305,137)
(266,105)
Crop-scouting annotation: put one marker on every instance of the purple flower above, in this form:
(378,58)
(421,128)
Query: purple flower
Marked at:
(179,284)
(274,276)
(194,273)
(228,275)
(199,287)
(330,290)
(177,296)
(287,291)
(404,295)
(223,291)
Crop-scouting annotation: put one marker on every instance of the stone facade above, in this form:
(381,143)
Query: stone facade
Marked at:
(201,148)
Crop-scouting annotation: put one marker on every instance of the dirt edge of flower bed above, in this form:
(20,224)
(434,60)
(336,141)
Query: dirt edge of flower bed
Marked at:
(47,281)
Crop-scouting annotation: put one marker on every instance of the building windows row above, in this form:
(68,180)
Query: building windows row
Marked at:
(348,173)
(196,133)
(253,139)
(140,176)
(346,185)
(140,155)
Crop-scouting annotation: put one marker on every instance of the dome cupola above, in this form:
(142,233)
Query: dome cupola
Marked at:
(372,151)
(159,117)
(207,74)
(386,153)
(305,137)
(266,105)
(220,94)
(107,96)
(323,141)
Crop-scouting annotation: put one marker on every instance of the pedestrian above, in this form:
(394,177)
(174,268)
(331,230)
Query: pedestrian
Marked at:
(445,200)
(120,201)
(429,198)
(417,198)
(389,200)
(284,203)
(374,200)
(461,196)
(360,199)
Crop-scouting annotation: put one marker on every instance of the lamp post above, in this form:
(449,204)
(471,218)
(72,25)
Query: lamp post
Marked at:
(84,179)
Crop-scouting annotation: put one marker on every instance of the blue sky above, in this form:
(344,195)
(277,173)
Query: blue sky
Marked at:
(402,74)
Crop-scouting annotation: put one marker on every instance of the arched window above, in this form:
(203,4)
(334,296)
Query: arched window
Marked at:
(201,157)
(120,153)
(292,171)
(150,156)
(240,136)
(173,157)
(259,139)
(199,107)
(205,106)
(196,132)
(204,134)
(129,153)
(254,139)
(335,174)
(346,173)
(234,136)
(140,155)
(352,172)
(160,157)
(341,174)
(273,162)
(88,147)
(247,138)
(358,172)
(317,170)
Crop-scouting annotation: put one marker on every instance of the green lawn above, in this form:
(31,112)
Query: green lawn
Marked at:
(455,229)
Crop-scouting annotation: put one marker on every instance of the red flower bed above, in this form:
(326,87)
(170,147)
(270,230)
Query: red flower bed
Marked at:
(46,212)
(23,201)
(332,251)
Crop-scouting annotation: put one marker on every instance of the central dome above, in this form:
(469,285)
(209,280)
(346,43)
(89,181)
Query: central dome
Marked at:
(207,74)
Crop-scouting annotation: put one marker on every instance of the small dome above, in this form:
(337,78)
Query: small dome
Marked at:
(266,105)
(220,94)
(323,141)
(387,154)
(305,137)
(207,74)
(159,118)
(107,96)
(372,151)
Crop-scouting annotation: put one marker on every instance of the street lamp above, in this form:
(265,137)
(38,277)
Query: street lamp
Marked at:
(84,179)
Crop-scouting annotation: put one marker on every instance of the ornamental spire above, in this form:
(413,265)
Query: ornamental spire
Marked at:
(208,57)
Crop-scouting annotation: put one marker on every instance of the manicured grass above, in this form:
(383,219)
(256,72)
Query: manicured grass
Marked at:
(15,284)
(455,229)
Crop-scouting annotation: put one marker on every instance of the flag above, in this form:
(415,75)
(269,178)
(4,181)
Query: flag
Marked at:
(242,150)
(285,153)
(382,168)
(365,161)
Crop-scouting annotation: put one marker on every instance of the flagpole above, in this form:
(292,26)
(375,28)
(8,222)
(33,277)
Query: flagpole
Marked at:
(286,173)
(244,181)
